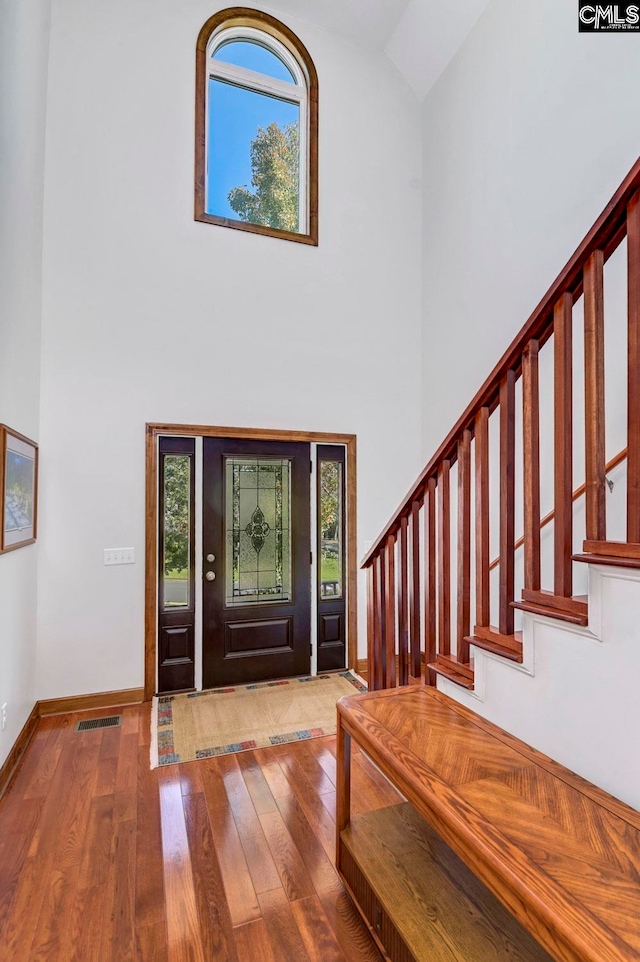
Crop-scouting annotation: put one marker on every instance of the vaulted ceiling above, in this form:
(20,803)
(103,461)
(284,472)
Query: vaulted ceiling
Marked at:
(428,36)
(419,36)
(370,22)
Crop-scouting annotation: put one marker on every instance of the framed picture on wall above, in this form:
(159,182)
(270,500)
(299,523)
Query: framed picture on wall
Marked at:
(18,490)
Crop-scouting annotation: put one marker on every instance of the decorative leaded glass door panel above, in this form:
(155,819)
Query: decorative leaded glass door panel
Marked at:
(256,564)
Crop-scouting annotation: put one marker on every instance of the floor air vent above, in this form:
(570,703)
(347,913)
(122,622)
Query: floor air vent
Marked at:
(90,724)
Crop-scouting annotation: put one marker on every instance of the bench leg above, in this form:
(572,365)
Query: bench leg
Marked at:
(343,767)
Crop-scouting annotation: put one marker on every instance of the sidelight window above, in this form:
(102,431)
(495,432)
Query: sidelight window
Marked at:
(331,512)
(176,530)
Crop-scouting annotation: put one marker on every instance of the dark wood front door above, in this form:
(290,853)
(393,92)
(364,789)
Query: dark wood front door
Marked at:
(256,561)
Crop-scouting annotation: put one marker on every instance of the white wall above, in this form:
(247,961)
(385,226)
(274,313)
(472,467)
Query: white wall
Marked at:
(24,30)
(526,136)
(149,316)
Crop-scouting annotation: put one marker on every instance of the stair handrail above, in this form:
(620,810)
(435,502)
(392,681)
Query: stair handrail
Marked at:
(409,564)
(577,494)
(605,235)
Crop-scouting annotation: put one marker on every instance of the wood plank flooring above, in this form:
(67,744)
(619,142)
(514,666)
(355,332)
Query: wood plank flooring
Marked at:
(230,858)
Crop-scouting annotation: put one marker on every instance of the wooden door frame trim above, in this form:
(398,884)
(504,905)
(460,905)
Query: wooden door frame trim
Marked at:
(153,432)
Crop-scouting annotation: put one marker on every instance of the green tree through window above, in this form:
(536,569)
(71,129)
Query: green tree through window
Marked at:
(330,528)
(176,513)
(275,153)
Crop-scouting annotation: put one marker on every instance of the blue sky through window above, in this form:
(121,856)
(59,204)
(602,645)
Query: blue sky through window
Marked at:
(234,117)
(243,53)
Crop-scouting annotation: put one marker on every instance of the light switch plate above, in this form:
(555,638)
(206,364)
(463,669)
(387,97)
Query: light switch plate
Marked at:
(119,556)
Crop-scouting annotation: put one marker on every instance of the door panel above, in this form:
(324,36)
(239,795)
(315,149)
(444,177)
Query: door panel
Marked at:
(274,633)
(257,591)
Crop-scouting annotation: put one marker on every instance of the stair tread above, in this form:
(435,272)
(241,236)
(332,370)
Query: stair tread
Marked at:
(505,651)
(601,559)
(452,675)
(556,613)
(451,663)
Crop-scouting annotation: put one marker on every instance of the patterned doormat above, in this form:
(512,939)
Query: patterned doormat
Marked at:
(225,720)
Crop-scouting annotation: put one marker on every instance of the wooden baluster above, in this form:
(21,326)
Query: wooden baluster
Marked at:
(381,623)
(403,597)
(633,402)
(371,640)
(507,501)
(595,458)
(390,609)
(444,560)
(415,667)
(481,433)
(464,546)
(430,581)
(531,457)
(563,441)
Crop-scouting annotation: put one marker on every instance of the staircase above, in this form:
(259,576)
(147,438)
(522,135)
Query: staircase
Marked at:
(420,598)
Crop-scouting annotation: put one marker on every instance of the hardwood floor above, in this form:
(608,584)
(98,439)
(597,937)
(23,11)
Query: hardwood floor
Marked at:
(229,858)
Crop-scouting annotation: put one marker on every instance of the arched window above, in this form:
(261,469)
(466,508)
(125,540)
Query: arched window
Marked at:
(256,127)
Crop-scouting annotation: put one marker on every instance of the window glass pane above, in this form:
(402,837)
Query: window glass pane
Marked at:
(253,56)
(253,157)
(257,530)
(176,541)
(331,547)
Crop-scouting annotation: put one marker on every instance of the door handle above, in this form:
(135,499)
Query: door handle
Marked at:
(210,576)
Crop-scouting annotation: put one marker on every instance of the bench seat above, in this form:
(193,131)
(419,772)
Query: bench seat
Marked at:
(561,855)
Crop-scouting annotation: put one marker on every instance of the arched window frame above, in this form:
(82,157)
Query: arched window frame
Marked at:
(243,23)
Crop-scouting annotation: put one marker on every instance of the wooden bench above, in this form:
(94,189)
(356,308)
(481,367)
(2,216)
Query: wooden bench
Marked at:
(497,844)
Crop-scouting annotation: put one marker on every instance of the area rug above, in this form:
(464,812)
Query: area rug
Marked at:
(225,720)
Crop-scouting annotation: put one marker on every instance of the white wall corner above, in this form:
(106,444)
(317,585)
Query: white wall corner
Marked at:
(428,36)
